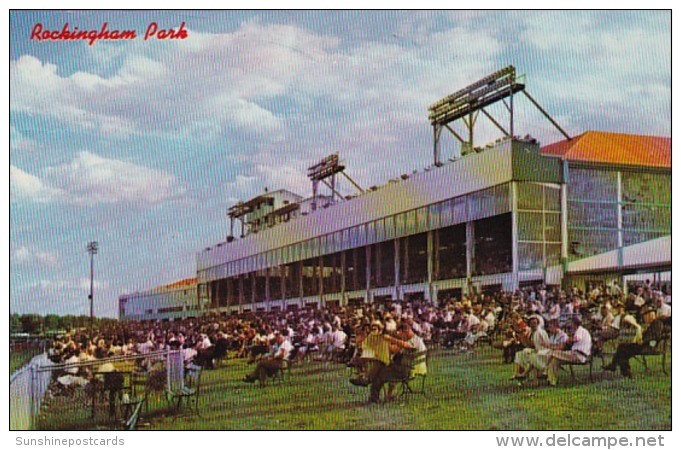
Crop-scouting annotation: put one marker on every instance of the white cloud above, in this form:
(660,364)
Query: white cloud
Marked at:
(26,255)
(91,179)
(22,255)
(24,186)
(22,143)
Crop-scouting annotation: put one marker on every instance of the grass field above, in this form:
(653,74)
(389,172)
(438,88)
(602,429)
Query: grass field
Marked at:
(464,392)
(20,357)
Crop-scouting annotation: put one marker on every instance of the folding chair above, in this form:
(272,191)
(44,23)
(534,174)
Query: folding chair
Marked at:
(134,401)
(659,348)
(189,392)
(414,360)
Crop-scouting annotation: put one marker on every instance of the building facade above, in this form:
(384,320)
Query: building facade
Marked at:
(175,300)
(490,220)
(595,207)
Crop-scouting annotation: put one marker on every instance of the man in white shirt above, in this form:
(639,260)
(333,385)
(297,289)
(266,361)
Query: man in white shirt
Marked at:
(580,349)
(338,339)
(663,309)
(270,365)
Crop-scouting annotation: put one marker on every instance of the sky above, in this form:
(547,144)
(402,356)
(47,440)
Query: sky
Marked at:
(142,145)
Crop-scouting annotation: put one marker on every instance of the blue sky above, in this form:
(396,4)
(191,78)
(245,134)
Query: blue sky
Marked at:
(143,145)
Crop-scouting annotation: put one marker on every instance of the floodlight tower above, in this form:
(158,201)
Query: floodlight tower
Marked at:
(467,103)
(328,167)
(92,249)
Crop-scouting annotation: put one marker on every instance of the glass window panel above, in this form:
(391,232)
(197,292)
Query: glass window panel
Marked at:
(459,211)
(380,230)
(552,254)
(410,223)
(389,227)
(530,226)
(447,213)
(646,217)
(434,216)
(315,247)
(592,215)
(360,233)
(422,219)
(502,199)
(552,223)
(371,233)
(327,242)
(530,196)
(551,198)
(529,256)
(592,184)
(646,187)
(584,243)
(400,223)
(481,204)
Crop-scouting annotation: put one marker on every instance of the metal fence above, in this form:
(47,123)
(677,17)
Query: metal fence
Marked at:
(26,393)
(48,396)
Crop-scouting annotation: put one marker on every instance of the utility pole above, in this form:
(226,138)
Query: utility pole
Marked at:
(92,248)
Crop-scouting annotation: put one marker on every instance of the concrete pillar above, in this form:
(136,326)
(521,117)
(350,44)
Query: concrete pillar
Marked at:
(515,280)
(368,273)
(342,278)
(470,255)
(429,252)
(397,259)
(620,232)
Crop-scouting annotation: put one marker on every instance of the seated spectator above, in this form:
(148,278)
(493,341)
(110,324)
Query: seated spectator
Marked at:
(395,370)
(663,309)
(604,329)
(580,349)
(623,318)
(538,343)
(627,350)
(270,365)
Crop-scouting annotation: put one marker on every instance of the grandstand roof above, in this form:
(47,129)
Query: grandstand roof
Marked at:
(181,283)
(614,148)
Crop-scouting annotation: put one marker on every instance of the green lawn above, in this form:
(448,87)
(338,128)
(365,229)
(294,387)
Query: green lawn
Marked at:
(464,392)
(19,358)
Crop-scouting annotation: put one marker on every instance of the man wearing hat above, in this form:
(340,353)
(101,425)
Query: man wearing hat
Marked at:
(580,349)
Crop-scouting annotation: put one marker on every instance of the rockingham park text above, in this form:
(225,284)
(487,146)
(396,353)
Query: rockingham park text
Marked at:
(41,34)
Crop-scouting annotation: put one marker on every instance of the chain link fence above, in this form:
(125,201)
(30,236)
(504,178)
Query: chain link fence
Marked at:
(91,395)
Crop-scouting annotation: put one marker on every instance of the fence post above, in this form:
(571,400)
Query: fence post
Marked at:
(31,414)
(168,369)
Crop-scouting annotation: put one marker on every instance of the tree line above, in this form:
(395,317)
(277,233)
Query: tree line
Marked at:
(36,324)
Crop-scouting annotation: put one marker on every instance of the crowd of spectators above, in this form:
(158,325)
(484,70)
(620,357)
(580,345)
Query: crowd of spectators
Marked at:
(332,333)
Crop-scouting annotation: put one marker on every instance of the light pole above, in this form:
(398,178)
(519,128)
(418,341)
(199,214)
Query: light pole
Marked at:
(92,248)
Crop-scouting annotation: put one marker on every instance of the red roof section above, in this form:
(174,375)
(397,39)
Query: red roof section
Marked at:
(181,283)
(614,148)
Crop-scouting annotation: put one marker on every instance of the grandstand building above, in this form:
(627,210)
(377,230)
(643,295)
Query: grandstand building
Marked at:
(593,207)
(513,214)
